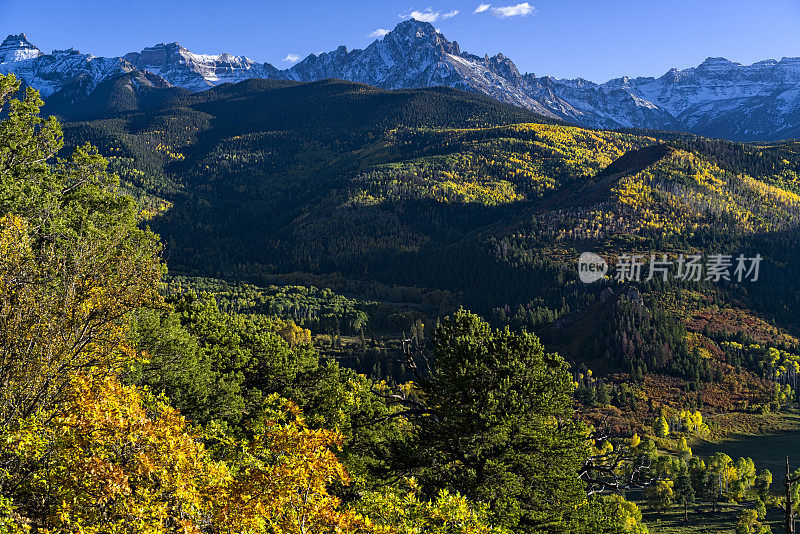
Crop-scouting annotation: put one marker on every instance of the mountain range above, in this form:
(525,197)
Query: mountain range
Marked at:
(718,98)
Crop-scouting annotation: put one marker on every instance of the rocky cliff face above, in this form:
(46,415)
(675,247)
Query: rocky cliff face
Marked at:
(66,70)
(17,48)
(197,72)
(718,98)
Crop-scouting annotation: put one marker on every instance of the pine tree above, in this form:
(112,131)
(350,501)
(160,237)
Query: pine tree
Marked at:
(684,493)
(603,396)
(502,430)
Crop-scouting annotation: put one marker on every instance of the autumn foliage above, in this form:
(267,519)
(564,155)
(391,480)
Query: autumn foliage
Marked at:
(89,448)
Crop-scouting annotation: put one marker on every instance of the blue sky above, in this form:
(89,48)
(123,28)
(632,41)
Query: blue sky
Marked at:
(596,39)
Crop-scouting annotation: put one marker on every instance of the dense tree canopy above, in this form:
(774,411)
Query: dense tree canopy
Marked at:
(74,263)
(500,428)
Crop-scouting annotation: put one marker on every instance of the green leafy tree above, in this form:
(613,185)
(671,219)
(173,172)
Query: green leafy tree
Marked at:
(244,358)
(662,427)
(748,523)
(603,397)
(698,474)
(744,478)
(174,363)
(761,509)
(612,514)
(684,451)
(27,144)
(401,511)
(74,263)
(763,483)
(660,494)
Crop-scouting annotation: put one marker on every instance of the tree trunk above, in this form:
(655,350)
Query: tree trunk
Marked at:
(789,509)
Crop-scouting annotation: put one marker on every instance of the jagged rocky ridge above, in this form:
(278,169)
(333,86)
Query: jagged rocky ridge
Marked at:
(718,98)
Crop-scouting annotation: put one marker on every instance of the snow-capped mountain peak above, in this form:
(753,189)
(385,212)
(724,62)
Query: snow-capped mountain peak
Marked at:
(413,30)
(17,48)
(716,64)
(719,97)
(63,70)
(197,72)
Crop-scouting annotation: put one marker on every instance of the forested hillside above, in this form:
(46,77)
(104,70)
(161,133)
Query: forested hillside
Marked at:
(323,243)
(413,196)
(364,190)
(130,405)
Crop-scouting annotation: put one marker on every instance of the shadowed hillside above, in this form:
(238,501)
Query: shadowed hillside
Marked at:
(431,198)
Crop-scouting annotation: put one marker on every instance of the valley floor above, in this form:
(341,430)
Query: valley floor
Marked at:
(779,438)
(768,450)
(703,520)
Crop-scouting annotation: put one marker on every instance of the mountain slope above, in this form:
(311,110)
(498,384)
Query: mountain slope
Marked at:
(129,91)
(281,176)
(429,199)
(268,130)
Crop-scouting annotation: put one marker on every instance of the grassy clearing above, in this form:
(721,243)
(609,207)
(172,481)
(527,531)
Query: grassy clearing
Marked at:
(703,520)
(768,450)
(768,440)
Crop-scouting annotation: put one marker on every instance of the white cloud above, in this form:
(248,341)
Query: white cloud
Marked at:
(429,15)
(481,8)
(292,58)
(380,32)
(520,10)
